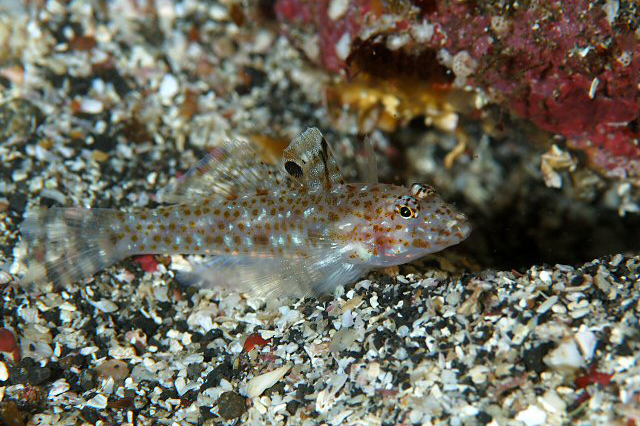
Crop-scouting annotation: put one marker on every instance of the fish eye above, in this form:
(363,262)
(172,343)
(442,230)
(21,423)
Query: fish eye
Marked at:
(407,206)
(406,212)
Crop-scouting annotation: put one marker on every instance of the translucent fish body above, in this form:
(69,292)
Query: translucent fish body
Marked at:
(300,230)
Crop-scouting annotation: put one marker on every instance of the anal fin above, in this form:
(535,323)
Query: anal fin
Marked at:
(277,277)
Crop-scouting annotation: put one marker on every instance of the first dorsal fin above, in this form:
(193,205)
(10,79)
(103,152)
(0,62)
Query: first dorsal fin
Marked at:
(308,161)
(236,168)
(233,169)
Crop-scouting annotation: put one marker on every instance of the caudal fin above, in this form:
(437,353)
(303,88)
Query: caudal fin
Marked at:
(63,245)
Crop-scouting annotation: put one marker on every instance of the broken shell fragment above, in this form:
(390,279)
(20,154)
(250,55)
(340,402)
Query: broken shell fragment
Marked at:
(260,383)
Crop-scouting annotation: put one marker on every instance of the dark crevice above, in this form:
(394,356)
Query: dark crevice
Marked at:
(523,223)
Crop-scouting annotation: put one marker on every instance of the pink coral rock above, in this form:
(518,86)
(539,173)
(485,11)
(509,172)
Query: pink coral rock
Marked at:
(571,67)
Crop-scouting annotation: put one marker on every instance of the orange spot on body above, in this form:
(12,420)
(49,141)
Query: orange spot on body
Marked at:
(420,243)
(261,240)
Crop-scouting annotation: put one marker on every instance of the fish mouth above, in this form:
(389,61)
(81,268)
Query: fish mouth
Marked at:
(461,226)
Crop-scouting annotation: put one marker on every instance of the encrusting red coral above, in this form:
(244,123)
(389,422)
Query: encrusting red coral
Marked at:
(571,67)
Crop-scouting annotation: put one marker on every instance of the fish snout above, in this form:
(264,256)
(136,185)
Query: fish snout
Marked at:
(461,226)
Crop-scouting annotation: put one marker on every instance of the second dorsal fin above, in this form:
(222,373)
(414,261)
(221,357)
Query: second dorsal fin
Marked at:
(231,170)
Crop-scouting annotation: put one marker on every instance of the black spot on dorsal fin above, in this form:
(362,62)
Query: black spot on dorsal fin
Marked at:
(293,169)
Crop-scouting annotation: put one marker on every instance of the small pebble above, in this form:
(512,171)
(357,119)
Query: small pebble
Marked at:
(58,388)
(552,402)
(545,277)
(99,402)
(168,87)
(479,374)
(231,405)
(19,119)
(547,304)
(4,372)
(91,106)
(39,375)
(105,305)
(532,416)
(566,357)
(587,342)
(114,368)
(7,341)
(99,156)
